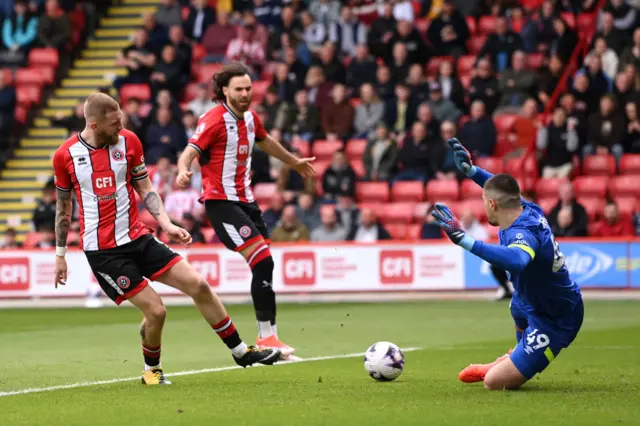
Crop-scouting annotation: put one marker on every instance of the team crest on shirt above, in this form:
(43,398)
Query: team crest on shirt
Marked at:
(245,231)
(117,155)
(123,282)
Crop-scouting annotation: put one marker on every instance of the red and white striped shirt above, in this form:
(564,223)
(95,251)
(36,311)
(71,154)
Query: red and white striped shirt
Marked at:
(225,142)
(101,178)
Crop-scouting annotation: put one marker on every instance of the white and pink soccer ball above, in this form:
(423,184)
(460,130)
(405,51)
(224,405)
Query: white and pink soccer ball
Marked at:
(384,361)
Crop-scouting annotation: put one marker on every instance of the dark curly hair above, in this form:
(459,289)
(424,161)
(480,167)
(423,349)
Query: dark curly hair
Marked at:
(223,77)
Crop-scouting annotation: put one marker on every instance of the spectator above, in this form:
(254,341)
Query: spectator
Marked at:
(417,51)
(164,99)
(73,123)
(632,140)
(7,104)
(347,211)
(165,138)
(399,113)
(180,201)
(158,35)
(164,176)
(169,13)
(613,225)
(325,12)
(308,212)
(260,166)
(135,122)
(287,33)
(382,31)
(47,236)
(384,86)
(516,83)
(369,112)
(339,179)
(182,48)
(586,102)
(247,49)
(631,54)
(418,85)
(362,68)
(267,12)
(45,211)
(218,36)
(560,141)
(292,183)
(568,102)
(479,134)
(369,230)
(549,79)
(442,109)
(272,215)
(501,45)
(19,32)
(189,122)
(399,64)
(334,69)
(139,60)
(452,89)
(484,86)
(543,21)
(448,33)
(330,230)
(615,38)
(192,226)
(202,102)
(297,69)
(448,170)
(10,241)
(272,105)
(284,83)
(168,73)
(606,130)
(430,230)
(420,159)
(565,40)
(599,83)
(472,226)
(608,57)
(314,33)
(624,16)
(623,90)
(301,119)
(290,229)
(425,116)
(318,88)
(200,17)
(54,27)
(337,117)
(348,33)
(574,219)
(380,155)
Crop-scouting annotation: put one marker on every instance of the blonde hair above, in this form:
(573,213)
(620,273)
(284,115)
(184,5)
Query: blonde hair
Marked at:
(98,105)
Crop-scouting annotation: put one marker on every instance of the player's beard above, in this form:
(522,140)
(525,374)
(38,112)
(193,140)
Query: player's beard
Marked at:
(108,139)
(239,105)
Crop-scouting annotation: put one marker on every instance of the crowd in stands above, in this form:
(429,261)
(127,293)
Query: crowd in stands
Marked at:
(547,90)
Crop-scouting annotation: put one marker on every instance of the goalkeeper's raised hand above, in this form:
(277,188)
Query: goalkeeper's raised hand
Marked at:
(446,220)
(462,157)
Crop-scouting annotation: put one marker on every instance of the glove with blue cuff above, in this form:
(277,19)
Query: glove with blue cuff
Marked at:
(462,157)
(446,220)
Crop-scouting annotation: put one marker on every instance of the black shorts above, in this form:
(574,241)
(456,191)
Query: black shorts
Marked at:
(124,271)
(238,225)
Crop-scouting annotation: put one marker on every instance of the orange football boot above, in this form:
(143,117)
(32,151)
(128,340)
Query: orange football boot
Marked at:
(273,342)
(476,372)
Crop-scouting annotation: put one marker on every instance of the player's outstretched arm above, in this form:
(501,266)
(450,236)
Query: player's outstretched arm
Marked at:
(464,163)
(275,149)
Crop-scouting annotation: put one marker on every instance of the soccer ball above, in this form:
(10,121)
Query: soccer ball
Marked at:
(384,361)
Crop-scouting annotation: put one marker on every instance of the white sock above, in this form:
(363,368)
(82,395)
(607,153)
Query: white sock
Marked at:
(265,329)
(148,367)
(239,350)
(275,330)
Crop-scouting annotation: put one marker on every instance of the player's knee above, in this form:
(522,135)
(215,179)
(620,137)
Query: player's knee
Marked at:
(156,314)
(260,261)
(200,288)
(495,381)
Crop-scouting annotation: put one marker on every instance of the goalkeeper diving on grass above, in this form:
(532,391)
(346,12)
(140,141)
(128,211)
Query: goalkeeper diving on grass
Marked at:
(547,304)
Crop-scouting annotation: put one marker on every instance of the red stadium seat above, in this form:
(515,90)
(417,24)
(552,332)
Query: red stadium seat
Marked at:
(627,206)
(547,204)
(549,187)
(535,60)
(505,122)
(48,74)
(28,95)
(198,53)
(358,167)
(476,206)
(625,185)
(29,76)
(31,240)
(372,192)
(475,43)
(420,211)
(434,64)
(590,186)
(20,114)
(303,147)
(599,165)
(442,190)
(407,191)
(531,4)
(465,80)
(398,231)
(593,206)
(471,24)
(585,22)
(522,167)
(397,213)
(422,25)
(465,64)
(413,232)
(487,24)
(490,164)
(204,72)
(43,56)
(630,164)
(259,90)
(323,150)
(190,92)
(140,91)
(469,190)
(208,234)
(355,148)
(593,228)
(321,167)
(264,191)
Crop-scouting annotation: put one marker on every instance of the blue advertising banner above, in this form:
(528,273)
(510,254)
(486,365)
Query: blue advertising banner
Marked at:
(591,264)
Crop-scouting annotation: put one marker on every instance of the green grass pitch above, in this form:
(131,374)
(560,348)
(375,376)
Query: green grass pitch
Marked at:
(594,382)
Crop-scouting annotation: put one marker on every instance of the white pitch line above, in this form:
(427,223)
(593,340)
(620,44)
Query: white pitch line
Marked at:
(179,373)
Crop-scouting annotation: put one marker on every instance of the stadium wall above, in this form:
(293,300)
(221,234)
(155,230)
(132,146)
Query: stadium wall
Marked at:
(334,269)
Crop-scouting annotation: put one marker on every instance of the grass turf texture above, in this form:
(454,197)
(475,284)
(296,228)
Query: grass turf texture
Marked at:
(594,382)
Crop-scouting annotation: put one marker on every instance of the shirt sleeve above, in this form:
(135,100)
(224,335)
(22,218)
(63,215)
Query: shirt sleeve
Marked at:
(261,133)
(522,239)
(61,175)
(138,166)
(205,132)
